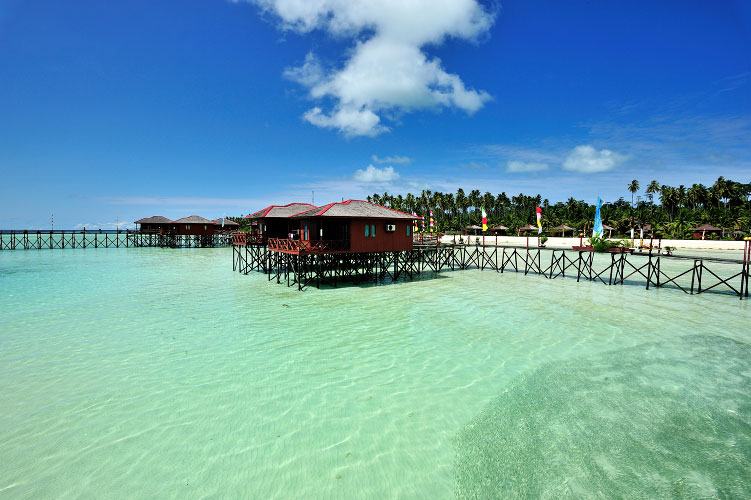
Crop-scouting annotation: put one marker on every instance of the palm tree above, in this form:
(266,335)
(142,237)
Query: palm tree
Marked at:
(461,204)
(409,202)
(667,198)
(719,190)
(681,195)
(474,200)
(652,188)
(633,188)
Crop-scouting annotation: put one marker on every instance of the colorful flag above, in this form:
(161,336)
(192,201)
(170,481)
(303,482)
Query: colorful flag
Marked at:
(414,222)
(484,220)
(597,230)
(432,222)
(539,220)
(422,223)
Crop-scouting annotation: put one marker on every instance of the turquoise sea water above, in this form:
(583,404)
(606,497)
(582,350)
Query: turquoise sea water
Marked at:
(160,373)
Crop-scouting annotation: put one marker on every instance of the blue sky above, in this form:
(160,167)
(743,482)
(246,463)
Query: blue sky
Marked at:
(119,110)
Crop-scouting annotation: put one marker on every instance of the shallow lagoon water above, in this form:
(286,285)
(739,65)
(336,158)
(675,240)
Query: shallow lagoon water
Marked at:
(161,373)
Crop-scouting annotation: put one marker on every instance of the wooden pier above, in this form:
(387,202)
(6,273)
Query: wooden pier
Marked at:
(60,239)
(316,266)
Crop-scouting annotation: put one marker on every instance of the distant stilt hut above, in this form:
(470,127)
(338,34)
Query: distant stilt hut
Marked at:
(473,229)
(562,228)
(193,225)
(153,224)
(700,232)
(498,229)
(608,229)
(229,225)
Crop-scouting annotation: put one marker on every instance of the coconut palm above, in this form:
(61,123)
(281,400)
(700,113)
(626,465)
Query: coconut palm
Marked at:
(633,187)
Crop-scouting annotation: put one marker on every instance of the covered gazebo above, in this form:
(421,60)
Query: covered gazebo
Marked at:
(527,229)
(609,229)
(641,232)
(153,224)
(701,231)
(562,228)
(498,229)
(475,228)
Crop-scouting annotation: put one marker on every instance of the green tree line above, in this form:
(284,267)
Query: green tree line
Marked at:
(672,211)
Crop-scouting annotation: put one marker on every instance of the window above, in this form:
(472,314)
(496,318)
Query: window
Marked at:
(372,230)
(408,229)
(367,230)
(187,227)
(204,228)
(306,233)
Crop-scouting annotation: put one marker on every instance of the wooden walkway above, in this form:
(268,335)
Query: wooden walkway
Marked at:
(730,276)
(60,239)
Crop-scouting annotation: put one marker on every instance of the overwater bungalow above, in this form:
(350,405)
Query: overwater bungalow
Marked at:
(153,224)
(192,225)
(228,227)
(353,226)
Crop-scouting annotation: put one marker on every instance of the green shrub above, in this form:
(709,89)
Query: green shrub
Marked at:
(600,244)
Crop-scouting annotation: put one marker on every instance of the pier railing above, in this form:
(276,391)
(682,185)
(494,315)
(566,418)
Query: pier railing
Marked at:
(80,238)
(243,239)
(300,246)
(288,260)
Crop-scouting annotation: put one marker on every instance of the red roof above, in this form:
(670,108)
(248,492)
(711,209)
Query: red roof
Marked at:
(266,212)
(707,227)
(355,208)
(193,219)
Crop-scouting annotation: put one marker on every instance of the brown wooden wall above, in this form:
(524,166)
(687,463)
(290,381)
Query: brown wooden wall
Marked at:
(195,229)
(278,227)
(383,241)
(155,227)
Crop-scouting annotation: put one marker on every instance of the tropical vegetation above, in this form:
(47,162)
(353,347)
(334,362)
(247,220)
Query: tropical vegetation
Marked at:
(672,211)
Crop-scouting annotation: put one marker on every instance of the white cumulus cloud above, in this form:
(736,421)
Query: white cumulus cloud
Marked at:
(521,166)
(373,175)
(387,72)
(587,159)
